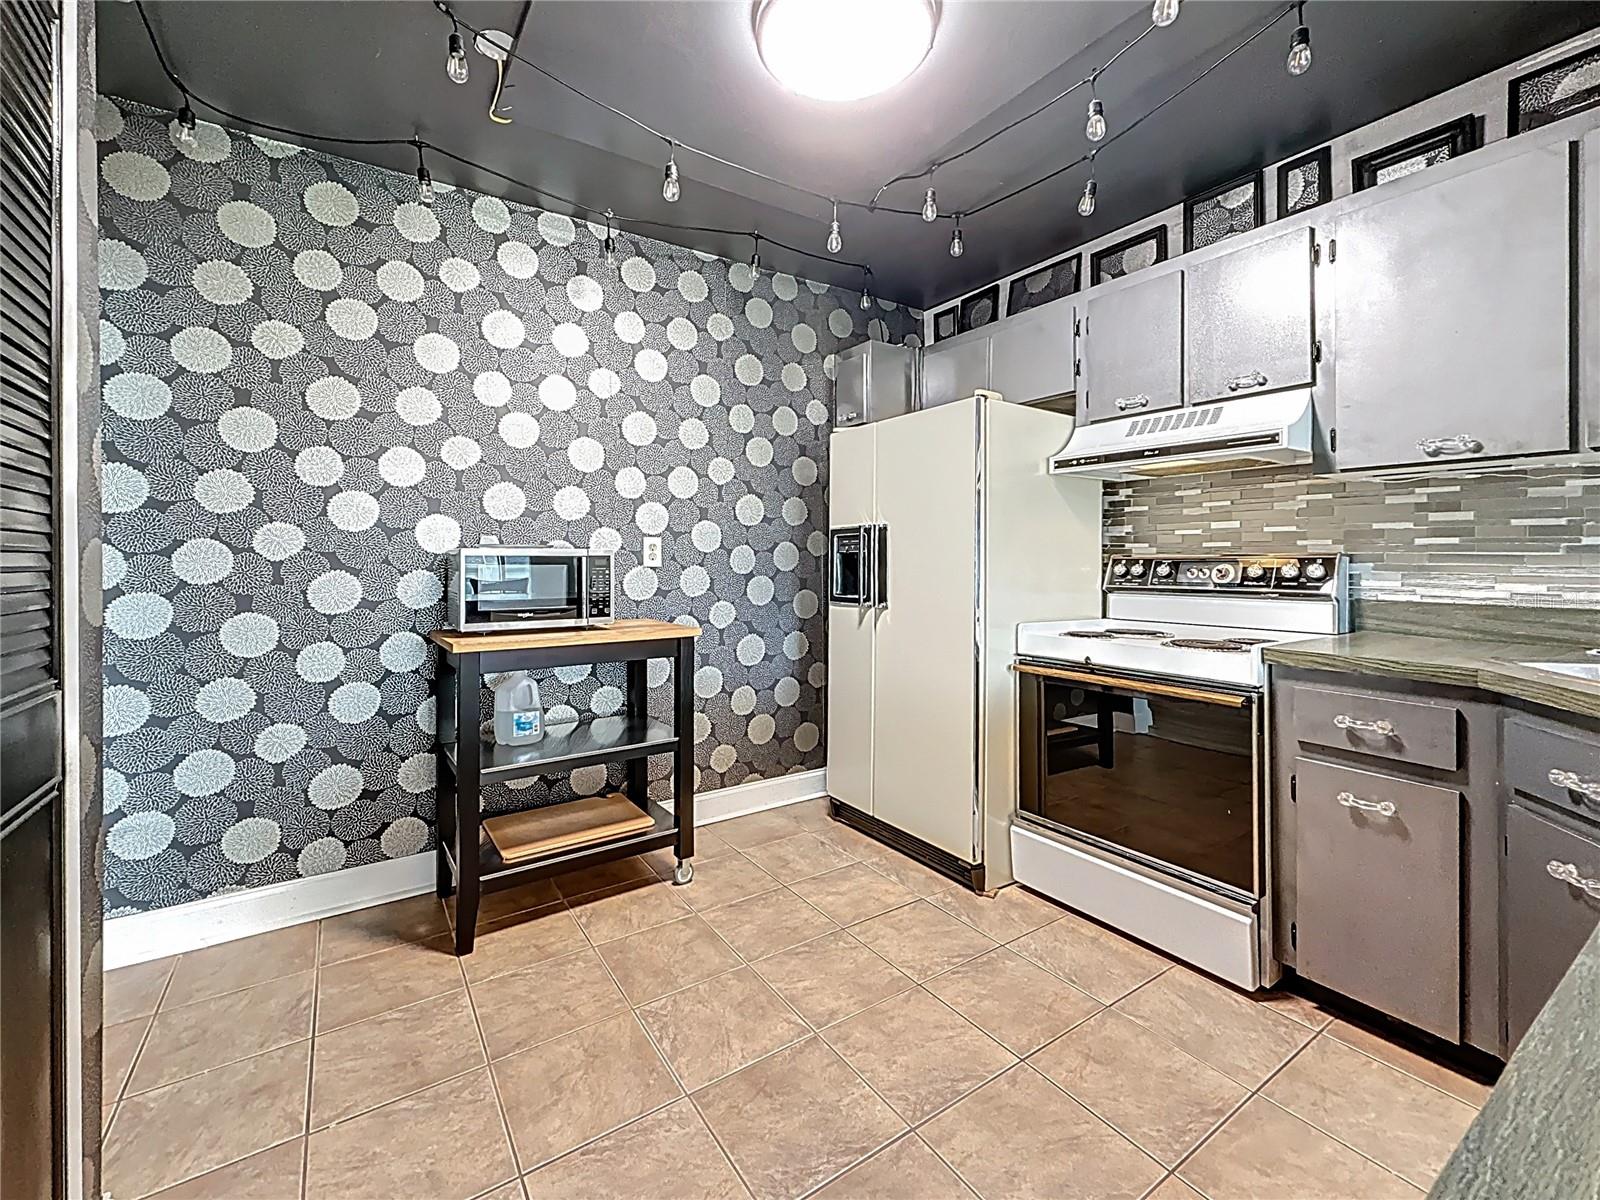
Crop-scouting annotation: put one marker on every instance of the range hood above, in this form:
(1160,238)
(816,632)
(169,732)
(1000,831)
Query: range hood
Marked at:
(1228,435)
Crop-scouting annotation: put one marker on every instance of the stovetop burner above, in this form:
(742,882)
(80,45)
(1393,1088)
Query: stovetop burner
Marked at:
(1088,633)
(1219,646)
(1107,635)
(1120,631)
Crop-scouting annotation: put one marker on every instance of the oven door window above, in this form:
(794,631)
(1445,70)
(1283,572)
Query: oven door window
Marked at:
(1168,781)
(507,588)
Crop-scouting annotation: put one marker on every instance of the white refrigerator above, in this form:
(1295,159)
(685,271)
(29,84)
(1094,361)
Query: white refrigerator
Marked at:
(945,531)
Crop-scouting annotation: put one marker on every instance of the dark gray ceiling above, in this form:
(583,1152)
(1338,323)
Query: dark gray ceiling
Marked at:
(376,68)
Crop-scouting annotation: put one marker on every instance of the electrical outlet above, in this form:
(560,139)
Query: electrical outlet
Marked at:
(652,552)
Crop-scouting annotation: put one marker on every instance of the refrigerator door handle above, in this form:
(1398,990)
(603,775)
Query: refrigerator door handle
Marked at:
(880,566)
(869,556)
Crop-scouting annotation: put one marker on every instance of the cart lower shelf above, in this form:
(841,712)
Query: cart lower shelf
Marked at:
(536,832)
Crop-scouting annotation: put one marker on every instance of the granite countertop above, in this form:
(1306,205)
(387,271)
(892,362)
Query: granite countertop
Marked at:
(1538,1136)
(1491,666)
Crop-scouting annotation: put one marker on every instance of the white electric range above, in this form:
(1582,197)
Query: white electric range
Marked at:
(1143,770)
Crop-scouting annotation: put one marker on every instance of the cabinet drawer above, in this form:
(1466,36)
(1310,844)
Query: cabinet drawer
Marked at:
(1378,905)
(1549,910)
(1554,765)
(1410,731)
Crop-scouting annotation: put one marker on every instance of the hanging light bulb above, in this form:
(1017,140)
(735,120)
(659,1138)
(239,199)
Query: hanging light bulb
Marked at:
(424,187)
(930,207)
(1095,127)
(670,190)
(183,125)
(835,242)
(456,65)
(1164,12)
(1086,201)
(957,249)
(866,291)
(755,259)
(1300,45)
(610,243)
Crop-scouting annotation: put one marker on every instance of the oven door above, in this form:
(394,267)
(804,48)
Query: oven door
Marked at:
(1163,773)
(522,588)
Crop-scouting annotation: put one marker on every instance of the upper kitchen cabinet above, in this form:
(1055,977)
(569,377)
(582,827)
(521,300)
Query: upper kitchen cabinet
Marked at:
(1033,355)
(955,369)
(1133,349)
(1453,312)
(1248,325)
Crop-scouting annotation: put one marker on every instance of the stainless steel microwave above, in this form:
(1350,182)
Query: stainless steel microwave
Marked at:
(547,587)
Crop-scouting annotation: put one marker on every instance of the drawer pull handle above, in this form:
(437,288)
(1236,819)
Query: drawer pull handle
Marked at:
(1573,782)
(1568,873)
(1381,728)
(1384,808)
(1129,403)
(1254,379)
(1461,443)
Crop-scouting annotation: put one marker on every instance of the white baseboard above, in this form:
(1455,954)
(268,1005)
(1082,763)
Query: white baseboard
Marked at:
(141,937)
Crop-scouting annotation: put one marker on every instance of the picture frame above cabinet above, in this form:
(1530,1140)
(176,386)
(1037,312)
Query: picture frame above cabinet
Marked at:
(1224,211)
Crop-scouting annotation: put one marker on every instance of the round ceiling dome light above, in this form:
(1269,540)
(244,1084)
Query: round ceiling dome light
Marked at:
(844,49)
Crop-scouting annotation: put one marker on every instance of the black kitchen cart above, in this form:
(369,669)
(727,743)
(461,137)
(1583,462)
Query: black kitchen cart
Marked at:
(468,863)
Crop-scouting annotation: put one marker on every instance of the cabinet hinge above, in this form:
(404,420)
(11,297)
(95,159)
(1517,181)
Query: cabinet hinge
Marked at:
(1316,254)
(1333,439)
(1316,350)
(1505,844)
(1294,789)
(1077,366)
(1333,249)
(1294,935)
(1077,327)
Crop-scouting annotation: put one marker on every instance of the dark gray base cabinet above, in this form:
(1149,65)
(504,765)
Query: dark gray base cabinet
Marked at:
(1552,904)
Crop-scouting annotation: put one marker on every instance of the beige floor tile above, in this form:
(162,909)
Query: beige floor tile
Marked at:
(917,1053)
(1166,1101)
(523,1008)
(498,905)
(831,978)
(393,1054)
(118,1046)
(1462,1087)
(671,956)
(1018,1004)
(135,991)
(907,872)
(364,987)
(270,1175)
(922,940)
(708,847)
(767,923)
(669,1155)
(1173,1188)
(796,1119)
(188,1128)
(714,1028)
(853,893)
(369,930)
(575,1088)
(1399,1121)
(615,913)
(211,1033)
(1244,1040)
(709,844)
(816,813)
(744,832)
(1297,1008)
(234,965)
(507,1191)
(851,841)
(603,875)
(1092,959)
(1008,914)
(798,857)
(1020,1137)
(1265,1152)
(724,880)
(903,1170)
(522,940)
(446,1143)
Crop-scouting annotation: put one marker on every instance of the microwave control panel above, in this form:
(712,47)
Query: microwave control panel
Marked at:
(1275,573)
(599,586)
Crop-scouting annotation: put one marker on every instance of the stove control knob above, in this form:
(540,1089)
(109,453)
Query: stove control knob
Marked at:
(1254,572)
(1119,570)
(1315,571)
(1290,570)
(1163,570)
(1136,570)
(1224,573)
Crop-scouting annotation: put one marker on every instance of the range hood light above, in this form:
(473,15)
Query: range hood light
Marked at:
(843,49)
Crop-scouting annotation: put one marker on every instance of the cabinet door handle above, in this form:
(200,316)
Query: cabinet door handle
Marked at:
(1568,873)
(1589,789)
(1384,808)
(1254,379)
(1128,403)
(1381,728)
(1461,443)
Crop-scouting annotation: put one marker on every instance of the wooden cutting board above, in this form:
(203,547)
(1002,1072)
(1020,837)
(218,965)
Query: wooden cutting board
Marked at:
(524,835)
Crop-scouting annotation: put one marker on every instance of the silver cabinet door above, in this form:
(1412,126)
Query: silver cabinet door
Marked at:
(1248,326)
(955,369)
(1549,914)
(1032,353)
(850,389)
(1133,349)
(1453,317)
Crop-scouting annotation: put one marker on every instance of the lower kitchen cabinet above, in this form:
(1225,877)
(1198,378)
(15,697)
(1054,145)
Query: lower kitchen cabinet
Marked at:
(1551,906)
(1378,908)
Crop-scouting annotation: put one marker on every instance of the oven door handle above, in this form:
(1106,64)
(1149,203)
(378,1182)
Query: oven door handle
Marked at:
(1176,691)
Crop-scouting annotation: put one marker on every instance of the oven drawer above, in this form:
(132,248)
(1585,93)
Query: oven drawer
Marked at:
(1411,731)
(1560,767)
(1378,880)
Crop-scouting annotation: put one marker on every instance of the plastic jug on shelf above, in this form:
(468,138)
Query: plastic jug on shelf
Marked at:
(518,715)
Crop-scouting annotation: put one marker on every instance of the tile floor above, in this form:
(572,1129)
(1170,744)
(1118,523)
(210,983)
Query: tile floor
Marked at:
(814,1014)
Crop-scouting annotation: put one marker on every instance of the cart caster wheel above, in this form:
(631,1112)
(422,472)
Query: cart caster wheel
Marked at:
(682,873)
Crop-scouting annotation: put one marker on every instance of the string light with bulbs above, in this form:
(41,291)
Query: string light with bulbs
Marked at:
(670,188)
(425,193)
(1299,60)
